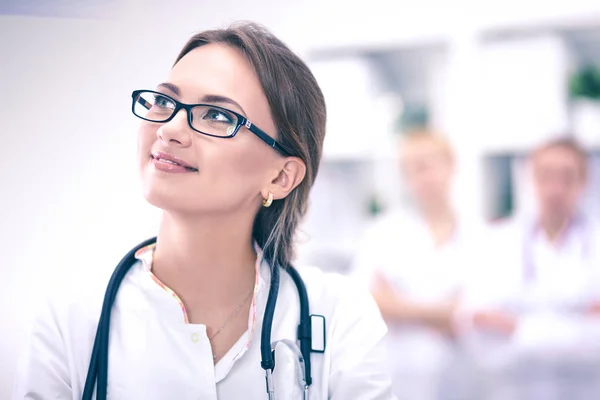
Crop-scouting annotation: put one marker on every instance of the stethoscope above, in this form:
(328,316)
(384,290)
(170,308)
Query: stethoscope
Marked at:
(98,368)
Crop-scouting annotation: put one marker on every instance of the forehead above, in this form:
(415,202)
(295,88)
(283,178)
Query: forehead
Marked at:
(415,150)
(217,69)
(557,158)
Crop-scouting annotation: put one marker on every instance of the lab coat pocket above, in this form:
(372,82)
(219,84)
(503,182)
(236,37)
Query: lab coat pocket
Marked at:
(288,375)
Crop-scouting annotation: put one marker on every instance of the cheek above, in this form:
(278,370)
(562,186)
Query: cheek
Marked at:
(575,193)
(444,178)
(145,139)
(235,174)
(425,178)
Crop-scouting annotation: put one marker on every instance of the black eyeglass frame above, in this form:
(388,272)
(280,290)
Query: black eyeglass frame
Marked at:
(241,120)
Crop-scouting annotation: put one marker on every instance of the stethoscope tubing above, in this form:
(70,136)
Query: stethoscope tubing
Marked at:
(98,367)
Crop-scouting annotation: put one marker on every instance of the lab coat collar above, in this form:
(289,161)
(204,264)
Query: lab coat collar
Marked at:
(263,272)
(577,226)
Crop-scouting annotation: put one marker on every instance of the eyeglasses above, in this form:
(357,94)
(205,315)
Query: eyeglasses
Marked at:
(206,119)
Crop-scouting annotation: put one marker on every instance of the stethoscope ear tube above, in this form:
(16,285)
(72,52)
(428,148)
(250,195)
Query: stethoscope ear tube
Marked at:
(304,328)
(267,359)
(98,369)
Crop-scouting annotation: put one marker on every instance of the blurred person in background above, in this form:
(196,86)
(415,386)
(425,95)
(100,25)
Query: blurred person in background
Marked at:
(536,332)
(413,261)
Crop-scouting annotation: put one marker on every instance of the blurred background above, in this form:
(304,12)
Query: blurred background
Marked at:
(496,77)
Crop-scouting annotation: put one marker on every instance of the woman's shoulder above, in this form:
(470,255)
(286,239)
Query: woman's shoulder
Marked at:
(64,322)
(74,300)
(339,297)
(354,331)
(329,286)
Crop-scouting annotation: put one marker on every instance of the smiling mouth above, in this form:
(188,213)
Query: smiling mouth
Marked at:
(164,160)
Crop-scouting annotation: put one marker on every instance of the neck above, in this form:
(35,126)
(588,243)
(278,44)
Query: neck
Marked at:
(438,213)
(554,226)
(212,258)
(441,221)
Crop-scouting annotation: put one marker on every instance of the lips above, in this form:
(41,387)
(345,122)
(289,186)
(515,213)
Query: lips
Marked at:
(170,160)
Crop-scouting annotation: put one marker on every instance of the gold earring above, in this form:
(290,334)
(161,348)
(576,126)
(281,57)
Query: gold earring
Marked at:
(268,201)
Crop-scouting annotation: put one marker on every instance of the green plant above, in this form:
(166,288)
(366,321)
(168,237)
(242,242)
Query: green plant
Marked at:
(585,83)
(375,206)
(412,117)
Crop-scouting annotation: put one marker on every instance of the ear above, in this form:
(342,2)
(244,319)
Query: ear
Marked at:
(290,176)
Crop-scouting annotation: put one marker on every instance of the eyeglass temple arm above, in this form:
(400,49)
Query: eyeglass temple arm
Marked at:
(264,137)
(144,103)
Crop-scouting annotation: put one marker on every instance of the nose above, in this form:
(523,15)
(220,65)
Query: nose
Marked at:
(176,131)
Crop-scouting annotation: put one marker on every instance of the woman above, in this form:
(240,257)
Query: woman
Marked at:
(415,263)
(187,321)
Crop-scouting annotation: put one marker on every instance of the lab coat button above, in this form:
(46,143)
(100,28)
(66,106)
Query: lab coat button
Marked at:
(195,337)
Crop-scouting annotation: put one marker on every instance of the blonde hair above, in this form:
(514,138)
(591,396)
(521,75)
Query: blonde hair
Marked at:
(429,136)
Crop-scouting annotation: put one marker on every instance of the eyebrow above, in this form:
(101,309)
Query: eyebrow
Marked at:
(209,98)
(214,98)
(171,87)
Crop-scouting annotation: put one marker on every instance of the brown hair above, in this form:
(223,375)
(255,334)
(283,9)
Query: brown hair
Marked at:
(566,143)
(298,110)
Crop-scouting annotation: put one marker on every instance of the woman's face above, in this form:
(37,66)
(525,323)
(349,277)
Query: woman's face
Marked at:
(427,171)
(226,174)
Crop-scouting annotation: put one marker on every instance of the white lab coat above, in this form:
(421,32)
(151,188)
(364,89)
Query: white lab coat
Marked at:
(424,364)
(554,353)
(154,355)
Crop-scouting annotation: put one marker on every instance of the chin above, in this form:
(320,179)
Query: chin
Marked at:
(556,213)
(159,192)
(173,201)
(161,197)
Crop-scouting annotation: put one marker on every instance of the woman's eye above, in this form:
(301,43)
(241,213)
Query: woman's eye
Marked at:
(162,102)
(218,116)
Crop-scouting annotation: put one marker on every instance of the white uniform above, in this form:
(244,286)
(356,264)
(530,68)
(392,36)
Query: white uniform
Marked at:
(425,365)
(555,352)
(156,355)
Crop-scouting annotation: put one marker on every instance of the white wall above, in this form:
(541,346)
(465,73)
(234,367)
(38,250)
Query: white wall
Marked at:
(68,162)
